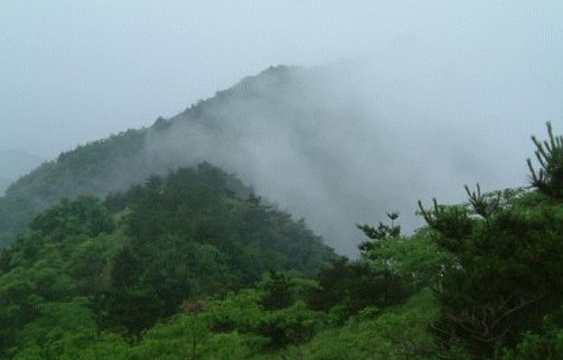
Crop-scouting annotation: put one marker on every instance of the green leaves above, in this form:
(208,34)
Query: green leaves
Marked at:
(84,215)
(179,237)
(549,153)
(505,275)
(507,262)
(58,325)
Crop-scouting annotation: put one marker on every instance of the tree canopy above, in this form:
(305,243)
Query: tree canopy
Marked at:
(194,265)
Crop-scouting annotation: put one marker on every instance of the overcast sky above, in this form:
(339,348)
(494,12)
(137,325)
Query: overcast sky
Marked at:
(76,71)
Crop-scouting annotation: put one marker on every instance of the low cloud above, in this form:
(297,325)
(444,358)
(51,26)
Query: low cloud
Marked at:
(340,144)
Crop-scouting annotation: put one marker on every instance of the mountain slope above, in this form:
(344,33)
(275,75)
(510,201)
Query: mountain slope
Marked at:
(97,168)
(132,260)
(214,132)
(303,137)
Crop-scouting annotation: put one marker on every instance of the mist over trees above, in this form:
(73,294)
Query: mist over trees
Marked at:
(273,180)
(305,138)
(157,242)
(195,265)
(152,236)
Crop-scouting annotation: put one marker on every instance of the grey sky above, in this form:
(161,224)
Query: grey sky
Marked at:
(76,71)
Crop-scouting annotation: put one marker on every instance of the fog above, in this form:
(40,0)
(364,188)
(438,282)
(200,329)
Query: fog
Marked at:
(338,146)
(393,101)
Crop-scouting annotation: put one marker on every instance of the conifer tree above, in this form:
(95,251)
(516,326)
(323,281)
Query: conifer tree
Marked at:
(549,153)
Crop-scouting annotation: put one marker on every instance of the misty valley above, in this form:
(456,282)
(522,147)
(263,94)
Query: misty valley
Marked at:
(243,228)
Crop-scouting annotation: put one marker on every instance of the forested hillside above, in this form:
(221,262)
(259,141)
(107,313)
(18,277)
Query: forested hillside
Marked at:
(97,168)
(193,265)
(121,265)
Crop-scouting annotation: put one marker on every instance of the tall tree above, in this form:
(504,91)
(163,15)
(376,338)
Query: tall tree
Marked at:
(507,262)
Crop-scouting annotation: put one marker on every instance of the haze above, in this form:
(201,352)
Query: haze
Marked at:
(450,89)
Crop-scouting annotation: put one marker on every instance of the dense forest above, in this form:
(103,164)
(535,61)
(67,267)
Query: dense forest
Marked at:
(121,265)
(87,169)
(194,265)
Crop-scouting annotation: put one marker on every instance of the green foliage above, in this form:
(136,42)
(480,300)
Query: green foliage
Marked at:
(549,153)
(62,327)
(397,333)
(376,281)
(347,287)
(544,343)
(295,324)
(273,312)
(189,236)
(175,238)
(504,277)
(96,168)
(239,311)
(181,267)
(131,310)
(84,215)
(382,232)
(417,260)
(546,346)
(277,291)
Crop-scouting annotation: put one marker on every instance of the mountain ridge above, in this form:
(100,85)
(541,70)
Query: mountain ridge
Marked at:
(99,167)
(307,139)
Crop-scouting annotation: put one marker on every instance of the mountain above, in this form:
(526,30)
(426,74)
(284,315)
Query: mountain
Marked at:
(228,130)
(195,265)
(303,137)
